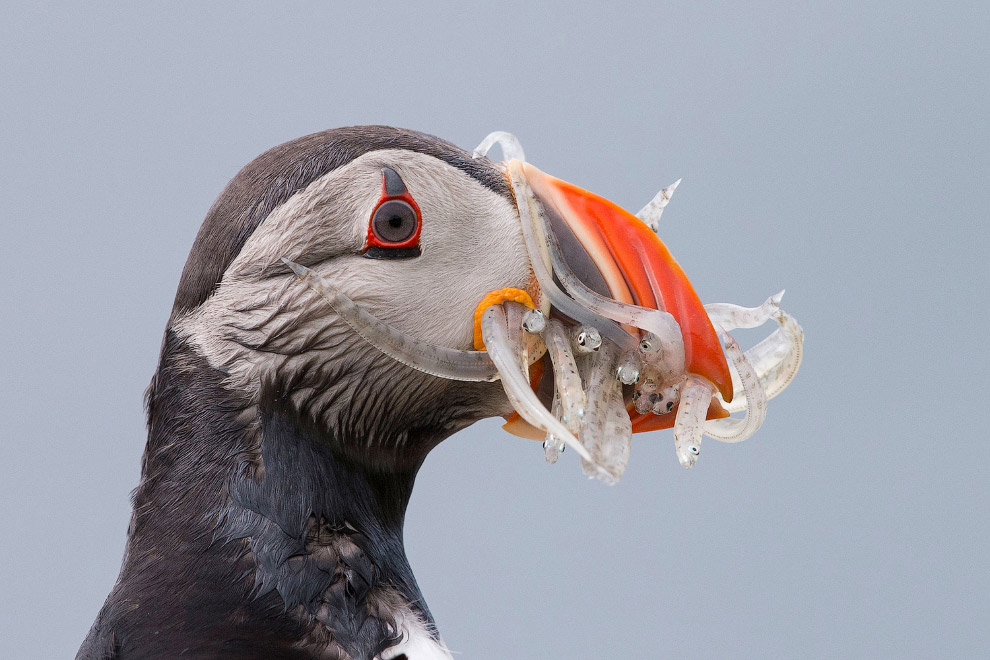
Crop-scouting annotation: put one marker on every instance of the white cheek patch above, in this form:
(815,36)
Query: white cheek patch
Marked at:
(440,361)
(471,244)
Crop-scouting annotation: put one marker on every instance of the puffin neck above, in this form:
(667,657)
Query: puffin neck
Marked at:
(249,529)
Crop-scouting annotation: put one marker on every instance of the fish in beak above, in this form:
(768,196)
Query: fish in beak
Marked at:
(610,339)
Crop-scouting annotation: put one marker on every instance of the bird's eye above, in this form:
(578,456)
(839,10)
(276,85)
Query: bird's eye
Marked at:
(394,222)
(393,232)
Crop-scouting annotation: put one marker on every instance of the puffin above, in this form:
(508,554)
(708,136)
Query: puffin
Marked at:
(283,443)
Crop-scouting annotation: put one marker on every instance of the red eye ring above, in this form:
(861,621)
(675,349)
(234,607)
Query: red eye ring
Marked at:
(395,222)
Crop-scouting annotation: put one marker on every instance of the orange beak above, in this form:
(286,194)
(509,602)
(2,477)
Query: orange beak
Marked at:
(613,252)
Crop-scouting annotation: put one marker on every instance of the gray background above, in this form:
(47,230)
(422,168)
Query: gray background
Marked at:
(838,149)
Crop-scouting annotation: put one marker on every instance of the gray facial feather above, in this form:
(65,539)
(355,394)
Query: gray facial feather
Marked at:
(262,321)
(274,176)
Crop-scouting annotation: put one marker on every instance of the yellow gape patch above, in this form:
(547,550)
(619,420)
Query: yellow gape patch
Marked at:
(494,298)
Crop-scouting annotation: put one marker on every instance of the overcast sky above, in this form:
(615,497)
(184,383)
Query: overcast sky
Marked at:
(836,149)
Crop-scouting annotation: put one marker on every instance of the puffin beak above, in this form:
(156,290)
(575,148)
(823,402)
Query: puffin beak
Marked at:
(618,256)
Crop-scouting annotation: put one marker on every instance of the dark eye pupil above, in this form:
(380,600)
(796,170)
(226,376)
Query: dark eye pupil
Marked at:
(394,221)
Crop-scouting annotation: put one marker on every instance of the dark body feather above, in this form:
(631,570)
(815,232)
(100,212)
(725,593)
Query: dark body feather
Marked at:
(257,533)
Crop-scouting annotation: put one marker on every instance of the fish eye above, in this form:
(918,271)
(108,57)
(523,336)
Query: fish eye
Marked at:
(694,450)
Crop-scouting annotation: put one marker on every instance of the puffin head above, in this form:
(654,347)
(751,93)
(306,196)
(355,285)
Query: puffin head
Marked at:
(411,228)
(345,275)
(354,297)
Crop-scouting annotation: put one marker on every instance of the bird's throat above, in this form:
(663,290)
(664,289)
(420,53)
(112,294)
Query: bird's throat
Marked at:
(252,533)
